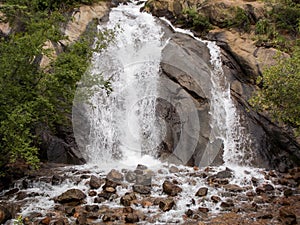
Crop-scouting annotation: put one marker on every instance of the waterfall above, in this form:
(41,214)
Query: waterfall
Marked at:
(123,124)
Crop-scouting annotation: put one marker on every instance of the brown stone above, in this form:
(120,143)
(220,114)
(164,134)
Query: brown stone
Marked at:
(215,198)
(171,189)
(71,197)
(166,204)
(201,192)
(132,218)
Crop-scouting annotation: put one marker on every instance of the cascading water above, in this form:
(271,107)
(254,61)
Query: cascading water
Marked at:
(123,123)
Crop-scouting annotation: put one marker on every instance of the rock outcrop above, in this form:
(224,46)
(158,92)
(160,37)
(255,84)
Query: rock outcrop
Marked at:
(242,61)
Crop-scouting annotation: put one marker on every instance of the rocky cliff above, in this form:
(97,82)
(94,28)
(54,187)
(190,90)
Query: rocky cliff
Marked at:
(243,61)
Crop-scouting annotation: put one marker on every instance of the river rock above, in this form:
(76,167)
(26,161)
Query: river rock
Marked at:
(130,176)
(95,182)
(141,189)
(233,188)
(127,199)
(201,192)
(171,189)
(132,218)
(173,169)
(143,179)
(71,197)
(115,176)
(215,198)
(166,204)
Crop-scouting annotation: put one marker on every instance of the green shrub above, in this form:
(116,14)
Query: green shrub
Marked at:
(196,21)
(280,90)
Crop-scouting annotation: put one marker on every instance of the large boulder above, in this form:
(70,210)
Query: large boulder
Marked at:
(186,87)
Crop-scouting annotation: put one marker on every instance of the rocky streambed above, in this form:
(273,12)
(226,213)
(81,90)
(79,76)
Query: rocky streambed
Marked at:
(165,195)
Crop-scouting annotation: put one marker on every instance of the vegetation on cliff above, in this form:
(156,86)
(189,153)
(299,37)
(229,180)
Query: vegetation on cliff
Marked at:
(32,97)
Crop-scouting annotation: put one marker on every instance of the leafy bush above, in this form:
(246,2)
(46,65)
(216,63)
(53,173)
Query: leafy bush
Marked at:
(280,90)
(32,97)
(196,21)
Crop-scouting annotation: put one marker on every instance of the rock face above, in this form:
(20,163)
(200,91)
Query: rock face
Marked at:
(190,78)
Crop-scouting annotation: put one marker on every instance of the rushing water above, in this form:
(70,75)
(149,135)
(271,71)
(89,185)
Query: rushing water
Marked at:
(123,123)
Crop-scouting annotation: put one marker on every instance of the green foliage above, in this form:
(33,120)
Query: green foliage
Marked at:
(32,97)
(281,28)
(286,16)
(280,91)
(196,21)
(240,20)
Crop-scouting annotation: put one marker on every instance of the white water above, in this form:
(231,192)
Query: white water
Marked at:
(123,124)
(124,129)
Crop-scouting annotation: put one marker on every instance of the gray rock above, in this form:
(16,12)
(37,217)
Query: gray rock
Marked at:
(95,182)
(141,189)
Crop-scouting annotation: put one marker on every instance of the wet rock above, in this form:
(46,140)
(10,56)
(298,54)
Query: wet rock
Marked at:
(203,210)
(127,209)
(130,176)
(110,183)
(288,192)
(110,190)
(166,204)
(144,179)
(287,216)
(260,190)
(141,167)
(81,219)
(92,193)
(227,204)
(115,175)
(56,179)
(132,218)
(95,182)
(171,189)
(189,213)
(265,216)
(99,200)
(227,173)
(70,211)
(268,187)
(71,197)
(127,199)
(109,218)
(4,215)
(91,208)
(11,191)
(254,181)
(233,188)
(202,192)
(173,169)
(215,198)
(141,189)
(107,195)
